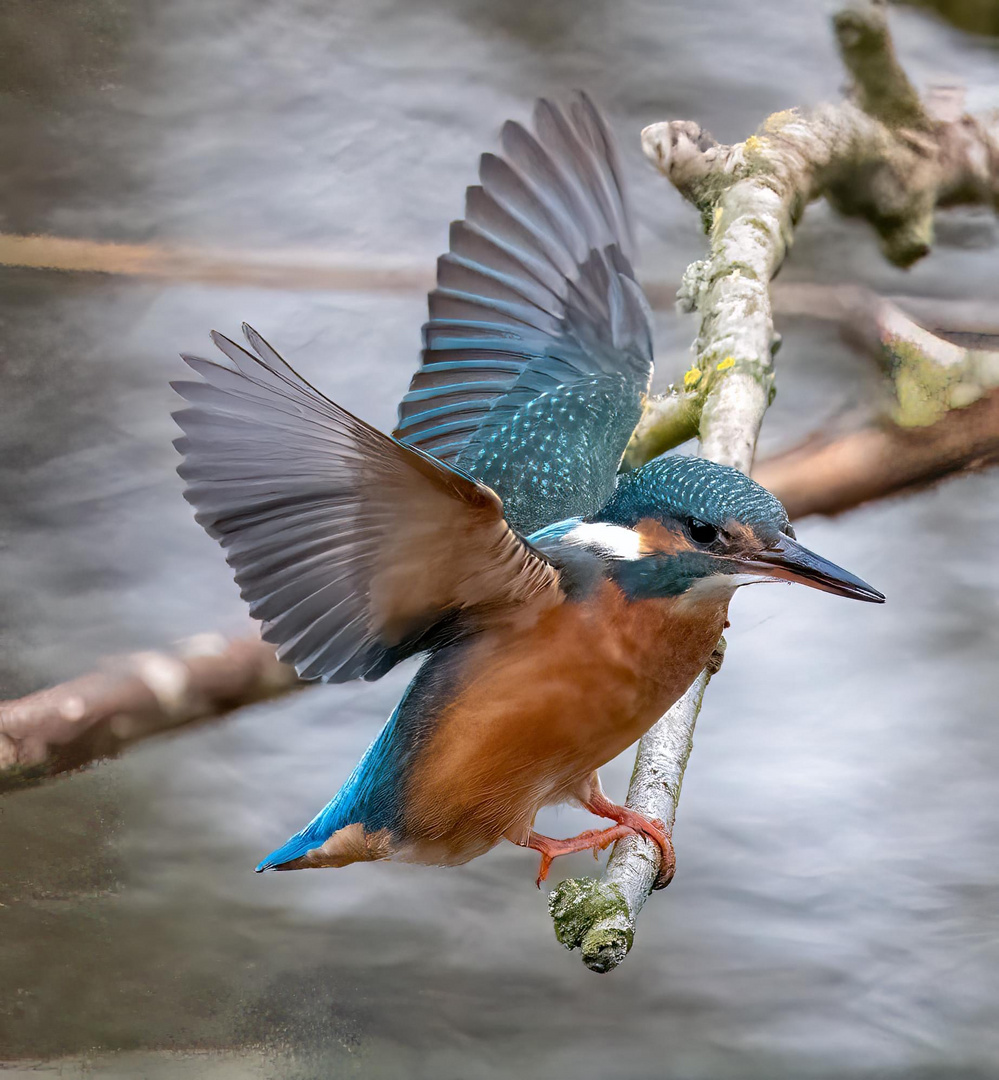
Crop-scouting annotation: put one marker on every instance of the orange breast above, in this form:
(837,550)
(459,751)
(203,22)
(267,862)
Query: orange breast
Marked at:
(544,706)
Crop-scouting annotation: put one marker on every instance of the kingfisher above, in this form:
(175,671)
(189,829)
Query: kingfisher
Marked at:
(561,608)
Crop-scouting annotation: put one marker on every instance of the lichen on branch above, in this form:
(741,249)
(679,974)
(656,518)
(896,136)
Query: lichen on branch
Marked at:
(940,417)
(892,166)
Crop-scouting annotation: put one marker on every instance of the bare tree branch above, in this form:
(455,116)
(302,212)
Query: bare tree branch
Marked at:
(350,272)
(878,156)
(876,168)
(98,715)
(829,476)
(943,418)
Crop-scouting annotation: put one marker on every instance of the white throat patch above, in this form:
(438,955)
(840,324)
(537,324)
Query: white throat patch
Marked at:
(720,586)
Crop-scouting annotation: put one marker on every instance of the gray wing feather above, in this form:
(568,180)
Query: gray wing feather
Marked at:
(354,550)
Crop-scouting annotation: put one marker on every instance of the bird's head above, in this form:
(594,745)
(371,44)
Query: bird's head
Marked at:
(685,526)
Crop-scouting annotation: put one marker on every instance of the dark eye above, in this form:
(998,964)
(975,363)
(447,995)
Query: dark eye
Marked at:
(701,532)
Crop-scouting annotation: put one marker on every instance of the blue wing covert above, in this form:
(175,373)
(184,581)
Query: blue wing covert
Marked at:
(537,356)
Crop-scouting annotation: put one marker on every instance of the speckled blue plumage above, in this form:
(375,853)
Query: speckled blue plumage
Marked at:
(538,354)
(356,550)
(548,460)
(537,358)
(669,489)
(678,486)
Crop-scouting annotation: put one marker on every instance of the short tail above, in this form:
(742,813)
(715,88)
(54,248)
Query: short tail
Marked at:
(345,845)
(293,849)
(314,835)
(372,784)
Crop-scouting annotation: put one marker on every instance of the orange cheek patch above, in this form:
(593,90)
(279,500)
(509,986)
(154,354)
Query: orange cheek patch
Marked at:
(743,537)
(657,539)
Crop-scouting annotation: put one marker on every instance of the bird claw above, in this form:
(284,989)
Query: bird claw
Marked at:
(667,861)
(593,839)
(629,823)
(667,854)
(652,829)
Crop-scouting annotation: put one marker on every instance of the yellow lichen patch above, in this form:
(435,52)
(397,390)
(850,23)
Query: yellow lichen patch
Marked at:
(775,121)
(753,144)
(692,378)
(922,387)
(724,365)
(964,394)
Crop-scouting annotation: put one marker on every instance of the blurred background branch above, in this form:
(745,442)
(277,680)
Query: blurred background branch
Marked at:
(292,270)
(131,698)
(98,715)
(940,416)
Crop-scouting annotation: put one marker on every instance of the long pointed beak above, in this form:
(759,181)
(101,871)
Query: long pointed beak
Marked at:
(790,561)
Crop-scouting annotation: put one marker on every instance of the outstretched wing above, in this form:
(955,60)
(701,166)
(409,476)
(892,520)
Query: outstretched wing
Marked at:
(354,550)
(537,356)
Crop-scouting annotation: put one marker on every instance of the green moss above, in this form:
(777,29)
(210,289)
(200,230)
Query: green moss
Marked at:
(906,242)
(711,358)
(668,420)
(578,903)
(716,363)
(707,209)
(756,161)
(712,187)
(604,949)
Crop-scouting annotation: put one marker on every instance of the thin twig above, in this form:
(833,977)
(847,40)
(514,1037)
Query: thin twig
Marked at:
(305,269)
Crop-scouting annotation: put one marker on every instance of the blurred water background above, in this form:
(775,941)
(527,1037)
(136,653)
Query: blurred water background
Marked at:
(836,907)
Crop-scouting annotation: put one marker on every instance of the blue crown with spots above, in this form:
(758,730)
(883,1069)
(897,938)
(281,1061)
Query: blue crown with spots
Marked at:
(681,487)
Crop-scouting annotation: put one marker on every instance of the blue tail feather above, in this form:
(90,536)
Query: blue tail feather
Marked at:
(346,806)
(368,797)
(319,829)
(373,793)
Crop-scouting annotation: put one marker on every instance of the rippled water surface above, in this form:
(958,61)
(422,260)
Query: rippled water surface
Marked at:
(836,909)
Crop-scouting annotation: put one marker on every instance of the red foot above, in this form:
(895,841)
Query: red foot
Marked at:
(651,828)
(593,839)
